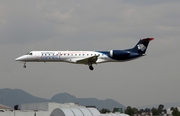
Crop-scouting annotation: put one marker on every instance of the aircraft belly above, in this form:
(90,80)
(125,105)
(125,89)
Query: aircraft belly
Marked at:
(101,61)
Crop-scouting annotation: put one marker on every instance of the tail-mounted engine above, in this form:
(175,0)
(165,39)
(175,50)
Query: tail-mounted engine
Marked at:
(119,54)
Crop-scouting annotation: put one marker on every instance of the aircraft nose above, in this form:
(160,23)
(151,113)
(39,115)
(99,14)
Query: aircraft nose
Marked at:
(21,58)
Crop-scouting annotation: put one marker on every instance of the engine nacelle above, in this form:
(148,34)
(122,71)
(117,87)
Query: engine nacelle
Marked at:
(119,54)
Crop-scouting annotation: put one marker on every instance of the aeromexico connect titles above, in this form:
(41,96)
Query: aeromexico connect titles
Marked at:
(87,57)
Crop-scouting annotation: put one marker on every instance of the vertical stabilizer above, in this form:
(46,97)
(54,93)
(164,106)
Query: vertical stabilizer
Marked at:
(142,45)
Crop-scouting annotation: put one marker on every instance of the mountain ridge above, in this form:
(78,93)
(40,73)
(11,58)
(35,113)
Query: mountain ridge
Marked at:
(12,97)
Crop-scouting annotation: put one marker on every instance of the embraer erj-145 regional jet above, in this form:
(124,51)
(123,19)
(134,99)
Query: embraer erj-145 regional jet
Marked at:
(87,57)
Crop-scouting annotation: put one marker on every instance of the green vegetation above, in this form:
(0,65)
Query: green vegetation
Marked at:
(131,111)
(104,111)
(176,112)
(154,111)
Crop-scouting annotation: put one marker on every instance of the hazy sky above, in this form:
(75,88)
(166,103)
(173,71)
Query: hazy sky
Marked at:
(93,25)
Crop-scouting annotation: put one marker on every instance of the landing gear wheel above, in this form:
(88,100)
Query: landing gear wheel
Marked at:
(24,65)
(91,67)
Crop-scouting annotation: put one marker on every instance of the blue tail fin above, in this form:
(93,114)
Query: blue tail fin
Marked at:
(142,45)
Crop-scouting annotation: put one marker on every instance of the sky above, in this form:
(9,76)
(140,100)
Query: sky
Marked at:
(93,25)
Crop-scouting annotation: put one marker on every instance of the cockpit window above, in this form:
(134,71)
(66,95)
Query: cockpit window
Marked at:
(30,53)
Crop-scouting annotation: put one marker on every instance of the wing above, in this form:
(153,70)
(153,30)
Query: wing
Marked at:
(89,60)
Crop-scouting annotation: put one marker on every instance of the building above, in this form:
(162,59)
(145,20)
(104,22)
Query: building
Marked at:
(55,109)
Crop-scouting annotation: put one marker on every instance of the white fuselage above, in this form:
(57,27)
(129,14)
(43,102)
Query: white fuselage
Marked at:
(63,56)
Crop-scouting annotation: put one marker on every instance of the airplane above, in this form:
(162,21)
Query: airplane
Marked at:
(87,57)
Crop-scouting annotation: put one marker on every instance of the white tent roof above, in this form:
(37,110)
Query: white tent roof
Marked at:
(75,112)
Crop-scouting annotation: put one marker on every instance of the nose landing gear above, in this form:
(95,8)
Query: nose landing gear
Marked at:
(24,65)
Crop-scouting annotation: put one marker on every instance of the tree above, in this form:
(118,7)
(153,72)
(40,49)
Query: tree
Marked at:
(104,111)
(117,110)
(135,110)
(147,110)
(129,111)
(176,112)
(172,108)
(160,108)
(155,111)
(165,111)
(141,111)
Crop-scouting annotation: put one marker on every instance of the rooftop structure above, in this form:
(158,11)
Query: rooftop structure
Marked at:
(55,109)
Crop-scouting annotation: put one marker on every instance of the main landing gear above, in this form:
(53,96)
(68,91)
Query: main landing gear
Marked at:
(91,67)
(24,65)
